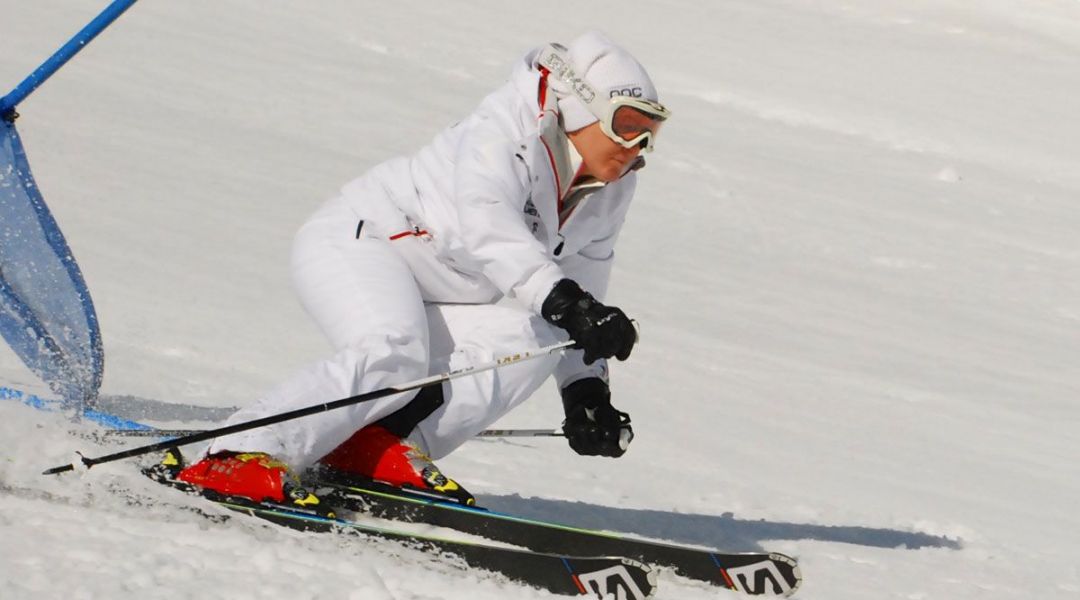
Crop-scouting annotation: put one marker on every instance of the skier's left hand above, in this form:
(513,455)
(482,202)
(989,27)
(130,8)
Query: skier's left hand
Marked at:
(593,426)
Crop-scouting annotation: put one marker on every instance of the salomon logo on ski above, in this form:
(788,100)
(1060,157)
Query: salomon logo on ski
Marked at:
(760,578)
(613,580)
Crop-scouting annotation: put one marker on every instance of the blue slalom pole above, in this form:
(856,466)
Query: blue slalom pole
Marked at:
(60,58)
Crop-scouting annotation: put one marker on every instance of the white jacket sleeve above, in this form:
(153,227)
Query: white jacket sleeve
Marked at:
(591,268)
(490,198)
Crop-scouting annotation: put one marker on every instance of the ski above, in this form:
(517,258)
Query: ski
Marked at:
(761,573)
(558,573)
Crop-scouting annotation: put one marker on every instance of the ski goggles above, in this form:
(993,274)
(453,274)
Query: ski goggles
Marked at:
(627,120)
(633,122)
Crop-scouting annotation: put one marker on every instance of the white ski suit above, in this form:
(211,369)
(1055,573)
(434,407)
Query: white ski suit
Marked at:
(443,260)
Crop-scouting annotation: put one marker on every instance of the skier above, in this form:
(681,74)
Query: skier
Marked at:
(496,237)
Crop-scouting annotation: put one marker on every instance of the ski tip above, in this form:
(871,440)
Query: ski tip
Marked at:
(755,574)
(794,579)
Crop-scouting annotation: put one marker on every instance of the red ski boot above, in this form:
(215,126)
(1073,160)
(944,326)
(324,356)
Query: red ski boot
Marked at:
(254,476)
(375,453)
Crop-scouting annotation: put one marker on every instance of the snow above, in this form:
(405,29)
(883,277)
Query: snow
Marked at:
(854,257)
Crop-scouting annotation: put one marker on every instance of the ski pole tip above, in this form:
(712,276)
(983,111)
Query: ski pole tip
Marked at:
(58,470)
(85,462)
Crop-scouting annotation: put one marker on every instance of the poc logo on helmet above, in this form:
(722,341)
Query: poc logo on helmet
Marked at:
(633,92)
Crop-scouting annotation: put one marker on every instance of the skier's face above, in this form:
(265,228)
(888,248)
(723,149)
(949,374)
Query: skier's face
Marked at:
(603,158)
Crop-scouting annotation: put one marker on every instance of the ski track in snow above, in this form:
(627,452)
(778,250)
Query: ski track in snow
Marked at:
(854,257)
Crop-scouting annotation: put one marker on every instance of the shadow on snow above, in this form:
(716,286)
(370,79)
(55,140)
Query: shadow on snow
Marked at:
(723,532)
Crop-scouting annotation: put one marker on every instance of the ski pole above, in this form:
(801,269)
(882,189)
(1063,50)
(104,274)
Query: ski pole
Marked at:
(178,433)
(521,433)
(61,56)
(317,408)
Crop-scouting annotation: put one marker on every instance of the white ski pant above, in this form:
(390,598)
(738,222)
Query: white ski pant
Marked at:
(366,293)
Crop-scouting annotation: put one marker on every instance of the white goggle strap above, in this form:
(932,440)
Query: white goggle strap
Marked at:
(646,106)
(555,59)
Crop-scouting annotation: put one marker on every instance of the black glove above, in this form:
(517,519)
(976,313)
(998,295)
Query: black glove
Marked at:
(601,331)
(593,426)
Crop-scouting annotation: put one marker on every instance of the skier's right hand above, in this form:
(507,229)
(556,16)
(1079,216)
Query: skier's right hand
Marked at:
(601,331)
(593,426)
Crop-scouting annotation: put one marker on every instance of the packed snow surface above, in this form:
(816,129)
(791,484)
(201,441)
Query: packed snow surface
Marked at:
(855,258)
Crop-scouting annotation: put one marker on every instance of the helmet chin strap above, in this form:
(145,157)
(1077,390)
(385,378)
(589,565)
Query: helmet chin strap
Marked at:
(576,160)
(577,163)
